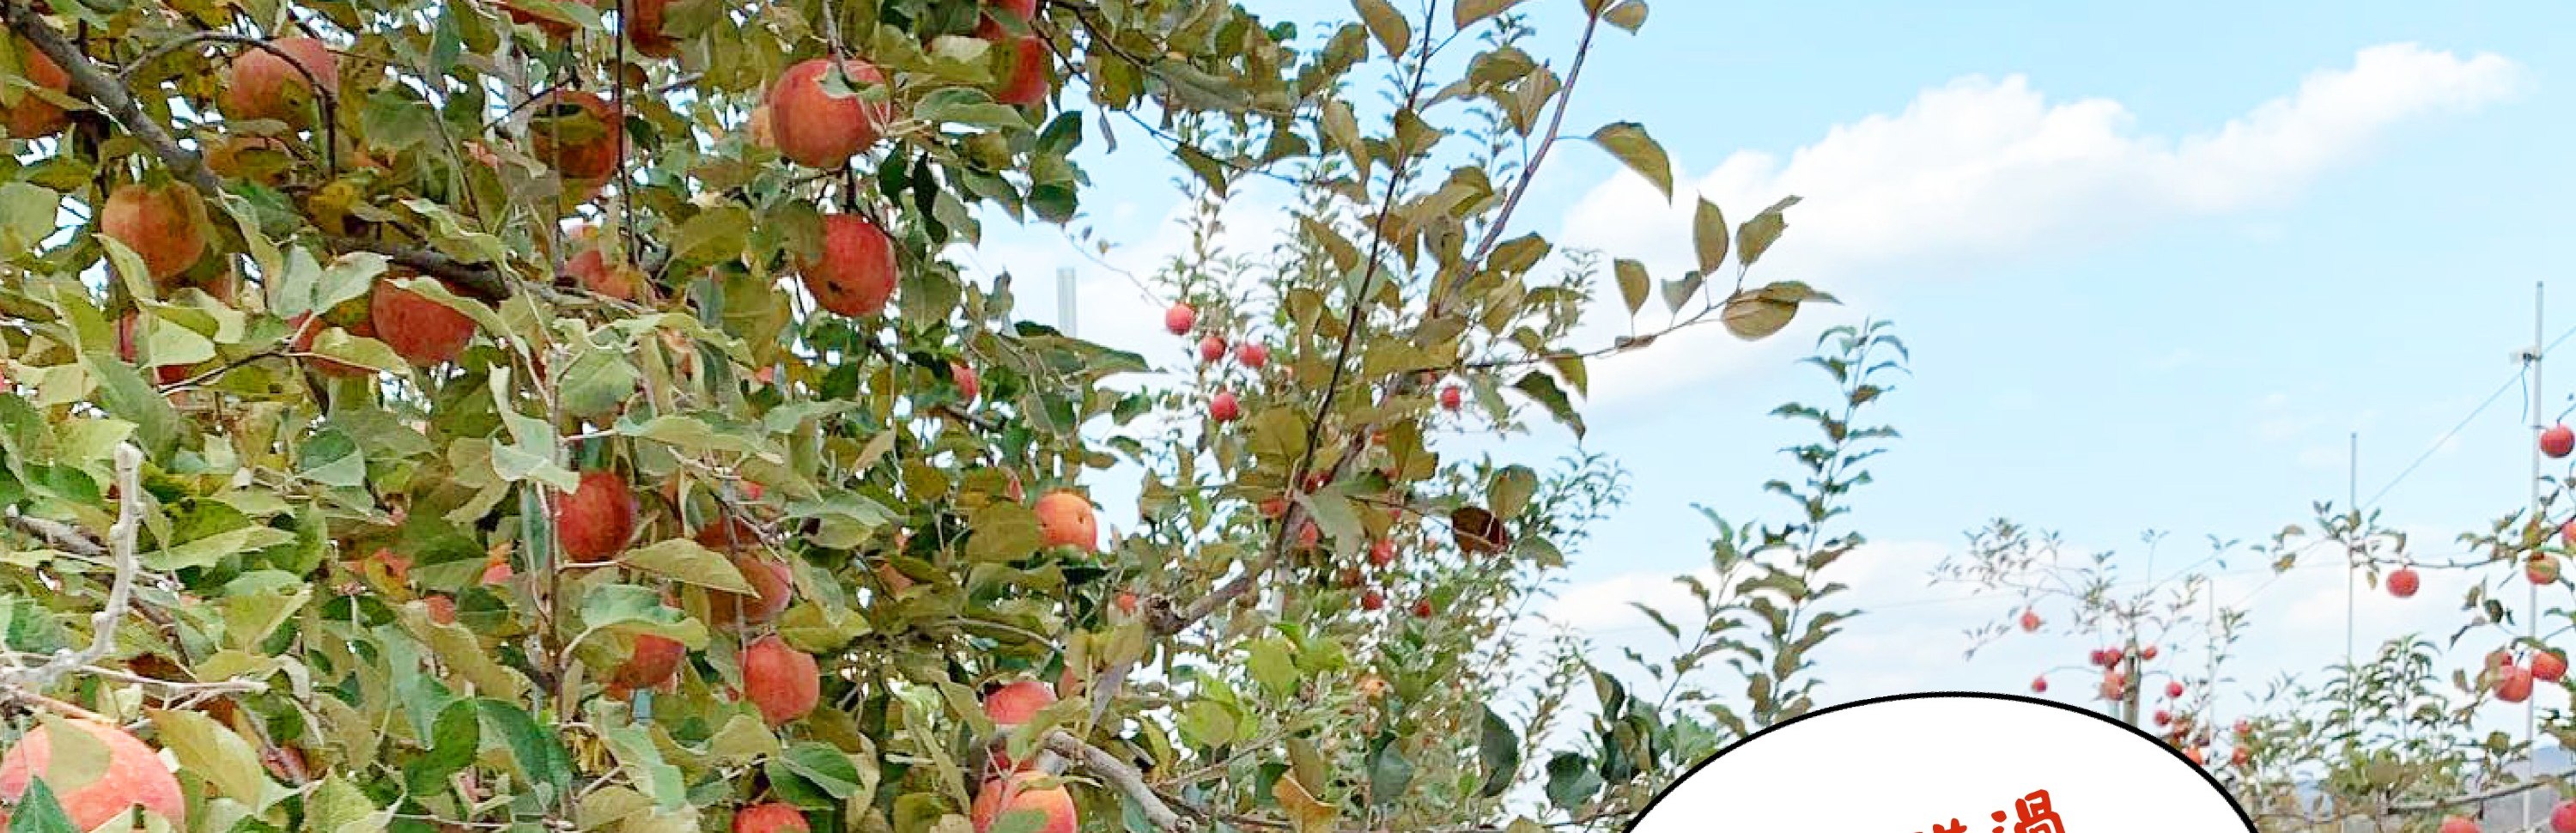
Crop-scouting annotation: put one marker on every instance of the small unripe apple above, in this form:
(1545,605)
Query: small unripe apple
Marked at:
(1252,354)
(2557,441)
(782,682)
(2404,582)
(1223,407)
(1180,318)
(1211,349)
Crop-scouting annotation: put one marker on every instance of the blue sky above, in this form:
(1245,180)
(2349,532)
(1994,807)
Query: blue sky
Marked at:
(2156,264)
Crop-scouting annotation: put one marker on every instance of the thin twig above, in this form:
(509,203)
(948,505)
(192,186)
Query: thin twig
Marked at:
(1118,774)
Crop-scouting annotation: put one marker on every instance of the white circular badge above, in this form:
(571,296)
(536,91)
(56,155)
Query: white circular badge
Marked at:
(1947,763)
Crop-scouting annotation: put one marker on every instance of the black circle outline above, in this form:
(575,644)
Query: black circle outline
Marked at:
(2246,818)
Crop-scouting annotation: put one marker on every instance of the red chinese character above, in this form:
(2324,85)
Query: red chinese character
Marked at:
(1954,827)
(2034,815)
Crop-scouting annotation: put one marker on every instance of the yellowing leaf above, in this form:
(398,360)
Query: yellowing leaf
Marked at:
(684,560)
(1629,142)
(1392,30)
(1470,12)
(1311,815)
(213,752)
(1708,234)
(1633,283)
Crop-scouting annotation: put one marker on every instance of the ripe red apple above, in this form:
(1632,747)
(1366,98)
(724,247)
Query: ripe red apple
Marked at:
(2548,666)
(164,225)
(1211,349)
(590,268)
(442,609)
(1422,609)
(2541,568)
(2456,824)
(856,273)
(1252,354)
(1026,9)
(2039,685)
(1017,703)
(812,127)
(1372,601)
(1126,602)
(2030,621)
(1307,535)
(2149,653)
(2164,718)
(773,582)
(772,817)
(2515,687)
(2240,757)
(593,522)
(134,777)
(34,117)
(1065,519)
(2557,441)
(2404,582)
(497,572)
(422,331)
(262,85)
(578,133)
(781,681)
(1180,318)
(655,661)
(2563,818)
(1451,398)
(644,28)
(2244,728)
(968,385)
(1022,792)
(1382,552)
(1224,408)
(1032,70)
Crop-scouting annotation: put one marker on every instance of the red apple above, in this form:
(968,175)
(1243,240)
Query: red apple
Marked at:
(1422,609)
(655,661)
(578,133)
(593,522)
(262,85)
(2563,818)
(1382,552)
(2548,666)
(2557,441)
(2039,685)
(423,331)
(307,327)
(1021,793)
(2173,689)
(644,28)
(856,273)
(814,128)
(164,225)
(2515,687)
(1372,601)
(1211,349)
(782,682)
(2456,824)
(34,117)
(1065,519)
(2404,582)
(1451,398)
(1180,318)
(2541,568)
(134,777)
(1252,354)
(1223,408)
(968,386)
(2030,621)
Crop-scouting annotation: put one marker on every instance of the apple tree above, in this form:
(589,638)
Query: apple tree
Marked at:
(570,415)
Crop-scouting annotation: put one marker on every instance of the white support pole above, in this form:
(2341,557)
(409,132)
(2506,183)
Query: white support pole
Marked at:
(1066,317)
(2531,619)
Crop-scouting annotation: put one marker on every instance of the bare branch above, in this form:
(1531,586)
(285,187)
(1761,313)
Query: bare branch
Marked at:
(121,537)
(1118,774)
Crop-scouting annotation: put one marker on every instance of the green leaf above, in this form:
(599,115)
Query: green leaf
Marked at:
(1388,772)
(1541,388)
(1470,12)
(1756,314)
(632,609)
(684,560)
(1629,142)
(713,236)
(337,806)
(1003,532)
(1757,234)
(653,776)
(825,767)
(1708,234)
(452,744)
(1633,283)
(1393,31)
(38,812)
(1570,780)
(1511,490)
(27,216)
(206,748)
(1271,666)
(1500,750)
(539,751)
(124,395)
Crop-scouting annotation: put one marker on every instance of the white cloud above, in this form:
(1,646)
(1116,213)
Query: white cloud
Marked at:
(1980,170)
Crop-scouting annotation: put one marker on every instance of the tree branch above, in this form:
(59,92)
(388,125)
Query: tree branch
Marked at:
(1118,774)
(121,537)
